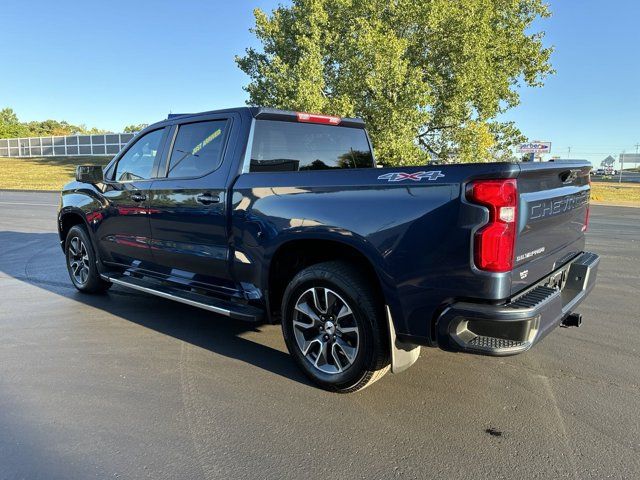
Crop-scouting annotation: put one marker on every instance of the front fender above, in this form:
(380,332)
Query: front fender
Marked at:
(84,202)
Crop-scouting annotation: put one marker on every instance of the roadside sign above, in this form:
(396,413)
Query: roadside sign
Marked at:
(534,147)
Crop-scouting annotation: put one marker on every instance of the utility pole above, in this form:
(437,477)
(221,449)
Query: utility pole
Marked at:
(621,166)
(569,152)
(637,145)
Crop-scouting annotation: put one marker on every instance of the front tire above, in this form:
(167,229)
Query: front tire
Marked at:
(81,262)
(334,328)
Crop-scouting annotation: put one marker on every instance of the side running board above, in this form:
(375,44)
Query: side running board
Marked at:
(246,313)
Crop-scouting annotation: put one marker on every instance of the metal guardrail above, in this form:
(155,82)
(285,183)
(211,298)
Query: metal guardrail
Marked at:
(53,146)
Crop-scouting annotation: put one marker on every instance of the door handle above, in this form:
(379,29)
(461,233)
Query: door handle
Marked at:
(208,199)
(138,197)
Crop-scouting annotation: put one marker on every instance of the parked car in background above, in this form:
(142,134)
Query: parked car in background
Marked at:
(604,171)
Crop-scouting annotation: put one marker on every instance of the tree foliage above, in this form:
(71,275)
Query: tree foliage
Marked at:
(135,127)
(11,127)
(428,77)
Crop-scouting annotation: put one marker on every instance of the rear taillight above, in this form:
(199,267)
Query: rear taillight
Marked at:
(494,243)
(315,118)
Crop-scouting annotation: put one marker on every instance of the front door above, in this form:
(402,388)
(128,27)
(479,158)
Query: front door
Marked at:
(124,234)
(187,208)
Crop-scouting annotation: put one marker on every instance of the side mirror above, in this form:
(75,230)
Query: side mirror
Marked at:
(89,174)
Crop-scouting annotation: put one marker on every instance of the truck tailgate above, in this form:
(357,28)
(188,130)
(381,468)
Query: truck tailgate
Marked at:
(552,218)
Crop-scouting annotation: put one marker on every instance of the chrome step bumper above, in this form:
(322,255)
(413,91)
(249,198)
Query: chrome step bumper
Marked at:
(517,325)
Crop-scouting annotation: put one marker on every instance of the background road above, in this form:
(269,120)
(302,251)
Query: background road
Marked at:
(127,385)
(626,177)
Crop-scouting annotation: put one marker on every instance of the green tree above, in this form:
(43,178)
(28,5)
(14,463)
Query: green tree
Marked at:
(82,129)
(10,126)
(133,128)
(428,77)
(8,116)
(50,127)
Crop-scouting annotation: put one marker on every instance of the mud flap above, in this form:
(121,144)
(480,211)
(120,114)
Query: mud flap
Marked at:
(403,355)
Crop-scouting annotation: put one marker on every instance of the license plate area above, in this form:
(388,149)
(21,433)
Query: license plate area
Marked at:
(557,280)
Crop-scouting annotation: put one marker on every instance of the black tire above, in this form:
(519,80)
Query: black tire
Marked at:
(345,285)
(81,262)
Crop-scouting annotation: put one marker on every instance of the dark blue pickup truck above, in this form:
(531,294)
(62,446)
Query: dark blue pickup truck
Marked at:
(267,215)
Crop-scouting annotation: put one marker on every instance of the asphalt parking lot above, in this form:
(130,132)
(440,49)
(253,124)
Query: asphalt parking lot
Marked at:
(127,385)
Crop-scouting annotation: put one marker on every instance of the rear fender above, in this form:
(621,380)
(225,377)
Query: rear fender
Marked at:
(350,239)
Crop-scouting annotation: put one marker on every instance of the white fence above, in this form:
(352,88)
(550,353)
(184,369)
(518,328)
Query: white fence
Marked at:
(108,144)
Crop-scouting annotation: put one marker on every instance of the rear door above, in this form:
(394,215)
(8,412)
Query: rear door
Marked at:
(124,233)
(552,218)
(187,209)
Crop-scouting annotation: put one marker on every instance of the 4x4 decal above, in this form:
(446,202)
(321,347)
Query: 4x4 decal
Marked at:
(416,177)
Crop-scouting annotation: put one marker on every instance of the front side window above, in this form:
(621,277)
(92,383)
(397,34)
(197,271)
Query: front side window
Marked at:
(137,163)
(197,149)
(290,146)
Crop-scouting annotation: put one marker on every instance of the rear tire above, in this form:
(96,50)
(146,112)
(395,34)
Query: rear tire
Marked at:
(81,262)
(334,327)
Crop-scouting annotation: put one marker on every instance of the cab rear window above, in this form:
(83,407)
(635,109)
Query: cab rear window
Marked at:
(289,146)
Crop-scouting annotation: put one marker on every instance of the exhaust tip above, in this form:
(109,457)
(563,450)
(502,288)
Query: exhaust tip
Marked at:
(572,320)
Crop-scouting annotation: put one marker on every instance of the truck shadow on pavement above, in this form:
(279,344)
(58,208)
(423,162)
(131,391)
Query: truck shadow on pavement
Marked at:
(36,259)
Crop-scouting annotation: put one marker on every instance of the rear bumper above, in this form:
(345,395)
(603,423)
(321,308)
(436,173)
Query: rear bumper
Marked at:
(516,326)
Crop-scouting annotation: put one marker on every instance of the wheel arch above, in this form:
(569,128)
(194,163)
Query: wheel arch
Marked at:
(294,255)
(67,219)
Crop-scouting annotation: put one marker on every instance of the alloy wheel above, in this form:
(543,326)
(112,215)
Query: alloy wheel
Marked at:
(326,330)
(78,260)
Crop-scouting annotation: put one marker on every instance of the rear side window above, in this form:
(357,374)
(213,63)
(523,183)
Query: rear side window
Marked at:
(197,149)
(289,146)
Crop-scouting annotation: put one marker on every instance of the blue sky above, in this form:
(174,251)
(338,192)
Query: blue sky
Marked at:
(592,103)
(108,64)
